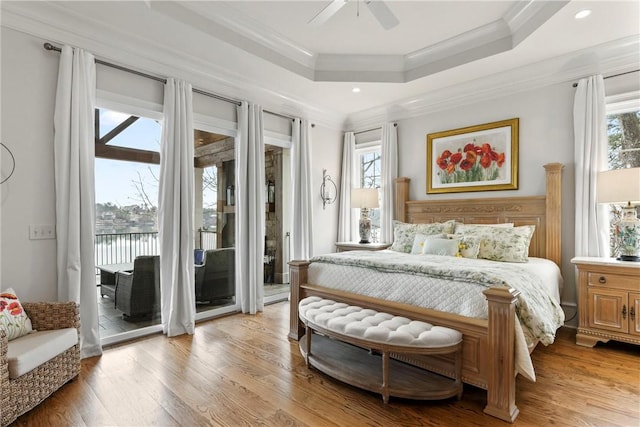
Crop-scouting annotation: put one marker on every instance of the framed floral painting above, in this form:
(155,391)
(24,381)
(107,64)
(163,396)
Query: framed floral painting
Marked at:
(474,158)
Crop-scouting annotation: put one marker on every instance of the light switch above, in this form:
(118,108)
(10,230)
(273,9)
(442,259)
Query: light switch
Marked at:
(42,231)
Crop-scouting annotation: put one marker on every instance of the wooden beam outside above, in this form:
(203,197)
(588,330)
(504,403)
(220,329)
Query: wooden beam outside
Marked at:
(215,147)
(127,154)
(212,159)
(117,130)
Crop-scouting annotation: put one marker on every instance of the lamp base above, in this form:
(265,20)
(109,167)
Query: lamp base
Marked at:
(364,241)
(365,227)
(629,258)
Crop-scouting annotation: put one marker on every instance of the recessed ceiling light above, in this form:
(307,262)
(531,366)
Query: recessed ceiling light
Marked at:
(583,14)
(355,90)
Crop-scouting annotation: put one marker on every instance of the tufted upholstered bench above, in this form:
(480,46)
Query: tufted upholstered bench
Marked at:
(338,324)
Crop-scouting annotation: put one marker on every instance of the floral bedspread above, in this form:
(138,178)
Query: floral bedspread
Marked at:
(539,314)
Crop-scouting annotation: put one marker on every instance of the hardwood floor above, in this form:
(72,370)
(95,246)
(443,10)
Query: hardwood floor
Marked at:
(241,370)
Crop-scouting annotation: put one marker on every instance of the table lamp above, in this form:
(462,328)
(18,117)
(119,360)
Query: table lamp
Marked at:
(364,199)
(622,187)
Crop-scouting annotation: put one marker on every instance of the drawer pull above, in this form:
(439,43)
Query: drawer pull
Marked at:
(624,311)
(632,313)
(602,279)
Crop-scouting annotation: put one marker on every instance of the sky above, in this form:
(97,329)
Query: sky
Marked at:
(115,179)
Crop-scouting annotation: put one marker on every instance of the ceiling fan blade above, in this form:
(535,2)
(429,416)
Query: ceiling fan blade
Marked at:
(383,14)
(326,13)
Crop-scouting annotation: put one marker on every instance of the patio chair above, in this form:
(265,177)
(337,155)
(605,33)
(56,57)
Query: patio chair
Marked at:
(138,291)
(215,279)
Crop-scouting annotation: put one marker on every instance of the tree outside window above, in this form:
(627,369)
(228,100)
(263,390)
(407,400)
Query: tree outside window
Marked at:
(623,130)
(369,165)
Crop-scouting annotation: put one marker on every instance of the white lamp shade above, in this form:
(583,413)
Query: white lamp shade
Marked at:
(364,198)
(619,186)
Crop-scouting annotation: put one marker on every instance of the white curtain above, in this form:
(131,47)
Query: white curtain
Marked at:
(389,155)
(75,190)
(590,133)
(302,189)
(176,211)
(250,207)
(347,215)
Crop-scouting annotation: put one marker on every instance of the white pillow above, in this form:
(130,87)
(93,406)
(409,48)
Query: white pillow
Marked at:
(439,246)
(418,242)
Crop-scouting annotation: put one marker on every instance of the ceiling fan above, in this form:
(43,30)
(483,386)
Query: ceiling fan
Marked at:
(377,7)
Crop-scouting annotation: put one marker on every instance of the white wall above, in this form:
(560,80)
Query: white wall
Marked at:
(326,153)
(29,75)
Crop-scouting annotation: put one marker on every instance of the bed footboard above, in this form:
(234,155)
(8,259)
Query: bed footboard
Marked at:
(494,359)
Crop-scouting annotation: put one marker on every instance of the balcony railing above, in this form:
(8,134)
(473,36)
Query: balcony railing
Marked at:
(117,248)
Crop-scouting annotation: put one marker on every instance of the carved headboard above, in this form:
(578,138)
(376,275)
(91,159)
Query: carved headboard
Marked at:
(542,211)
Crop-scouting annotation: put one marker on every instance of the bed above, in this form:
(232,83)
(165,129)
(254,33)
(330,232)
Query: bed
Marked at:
(491,347)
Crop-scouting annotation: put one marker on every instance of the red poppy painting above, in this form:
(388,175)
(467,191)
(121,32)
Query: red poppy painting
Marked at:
(474,158)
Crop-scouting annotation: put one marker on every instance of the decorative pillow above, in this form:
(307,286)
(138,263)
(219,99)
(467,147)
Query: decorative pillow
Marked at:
(460,226)
(440,246)
(418,242)
(468,246)
(13,319)
(404,233)
(503,244)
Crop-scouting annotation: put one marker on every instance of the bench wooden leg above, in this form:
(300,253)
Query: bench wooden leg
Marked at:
(385,376)
(458,370)
(308,332)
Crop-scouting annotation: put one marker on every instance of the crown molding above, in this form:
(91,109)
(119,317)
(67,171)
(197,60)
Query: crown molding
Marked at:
(52,22)
(229,24)
(613,57)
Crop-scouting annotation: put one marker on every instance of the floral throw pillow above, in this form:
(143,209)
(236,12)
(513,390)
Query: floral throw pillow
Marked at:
(502,244)
(468,246)
(13,319)
(404,234)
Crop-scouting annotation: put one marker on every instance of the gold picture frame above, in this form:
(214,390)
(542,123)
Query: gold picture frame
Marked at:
(474,158)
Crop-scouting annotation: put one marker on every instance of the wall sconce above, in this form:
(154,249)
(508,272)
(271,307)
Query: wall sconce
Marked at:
(328,189)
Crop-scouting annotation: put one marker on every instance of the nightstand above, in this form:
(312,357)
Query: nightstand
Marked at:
(608,300)
(355,246)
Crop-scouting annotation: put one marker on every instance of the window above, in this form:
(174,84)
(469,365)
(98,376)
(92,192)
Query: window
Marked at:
(126,187)
(623,131)
(367,174)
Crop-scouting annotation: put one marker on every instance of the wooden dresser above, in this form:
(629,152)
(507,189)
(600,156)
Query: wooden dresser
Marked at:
(608,300)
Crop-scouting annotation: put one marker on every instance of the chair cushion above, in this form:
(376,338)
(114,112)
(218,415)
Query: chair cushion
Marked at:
(30,351)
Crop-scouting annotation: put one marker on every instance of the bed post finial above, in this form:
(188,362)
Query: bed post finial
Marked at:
(553,214)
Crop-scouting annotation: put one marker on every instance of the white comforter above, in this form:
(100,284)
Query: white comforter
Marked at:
(452,285)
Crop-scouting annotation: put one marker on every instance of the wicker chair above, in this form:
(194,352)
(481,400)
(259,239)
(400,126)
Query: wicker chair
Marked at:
(22,394)
(215,279)
(138,291)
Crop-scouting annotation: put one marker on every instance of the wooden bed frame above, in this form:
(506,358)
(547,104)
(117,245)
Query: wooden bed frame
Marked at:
(489,345)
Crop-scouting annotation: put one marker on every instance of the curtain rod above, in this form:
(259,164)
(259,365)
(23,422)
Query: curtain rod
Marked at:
(614,75)
(372,129)
(49,46)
